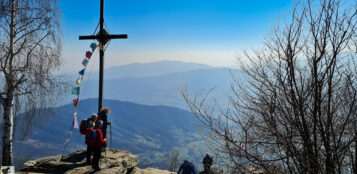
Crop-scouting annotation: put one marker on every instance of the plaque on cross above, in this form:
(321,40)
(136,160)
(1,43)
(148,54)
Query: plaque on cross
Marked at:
(102,37)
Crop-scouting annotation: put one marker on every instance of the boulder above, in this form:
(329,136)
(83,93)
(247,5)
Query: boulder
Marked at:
(152,171)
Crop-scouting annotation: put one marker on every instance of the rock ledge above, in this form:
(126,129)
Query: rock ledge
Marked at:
(113,161)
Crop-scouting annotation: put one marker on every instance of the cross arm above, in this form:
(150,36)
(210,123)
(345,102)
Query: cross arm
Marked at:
(114,36)
(88,37)
(117,36)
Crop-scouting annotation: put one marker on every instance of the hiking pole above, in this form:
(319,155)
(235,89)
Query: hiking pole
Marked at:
(105,149)
(110,147)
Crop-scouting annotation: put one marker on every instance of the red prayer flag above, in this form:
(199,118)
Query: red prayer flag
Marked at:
(89,54)
(75,102)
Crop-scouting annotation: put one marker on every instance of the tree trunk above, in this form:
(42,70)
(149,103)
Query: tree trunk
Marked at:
(8,105)
(355,164)
(7,158)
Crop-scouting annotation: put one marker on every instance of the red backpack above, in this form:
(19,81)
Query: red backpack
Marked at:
(83,127)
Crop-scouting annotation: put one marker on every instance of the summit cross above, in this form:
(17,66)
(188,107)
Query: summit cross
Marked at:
(102,37)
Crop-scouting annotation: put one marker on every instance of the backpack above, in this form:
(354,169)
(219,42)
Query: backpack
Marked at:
(86,123)
(192,166)
(83,127)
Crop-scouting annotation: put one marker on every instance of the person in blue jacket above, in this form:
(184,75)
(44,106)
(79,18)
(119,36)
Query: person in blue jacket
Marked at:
(186,168)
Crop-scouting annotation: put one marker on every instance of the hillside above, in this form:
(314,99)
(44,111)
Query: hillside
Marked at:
(148,131)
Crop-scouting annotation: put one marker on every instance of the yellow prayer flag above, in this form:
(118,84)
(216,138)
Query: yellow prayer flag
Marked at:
(79,80)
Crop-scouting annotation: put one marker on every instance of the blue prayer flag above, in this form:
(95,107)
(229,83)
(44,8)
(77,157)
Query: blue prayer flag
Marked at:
(93,46)
(85,62)
(82,71)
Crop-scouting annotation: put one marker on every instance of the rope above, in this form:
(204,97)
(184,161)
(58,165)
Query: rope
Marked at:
(106,46)
(96,28)
(67,140)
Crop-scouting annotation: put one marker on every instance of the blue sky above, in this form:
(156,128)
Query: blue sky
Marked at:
(202,31)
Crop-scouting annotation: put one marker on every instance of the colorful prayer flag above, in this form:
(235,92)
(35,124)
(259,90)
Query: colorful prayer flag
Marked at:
(85,62)
(93,46)
(75,121)
(79,80)
(75,102)
(75,90)
(88,54)
(81,72)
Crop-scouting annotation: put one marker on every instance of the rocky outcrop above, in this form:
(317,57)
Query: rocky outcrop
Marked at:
(152,171)
(214,171)
(113,161)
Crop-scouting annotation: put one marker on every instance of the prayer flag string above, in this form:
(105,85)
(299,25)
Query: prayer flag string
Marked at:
(76,89)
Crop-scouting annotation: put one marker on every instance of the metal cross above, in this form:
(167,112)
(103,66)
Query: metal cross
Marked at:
(103,37)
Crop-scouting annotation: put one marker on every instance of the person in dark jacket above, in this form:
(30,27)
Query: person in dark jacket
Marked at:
(103,116)
(98,145)
(207,163)
(186,168)
(90,133)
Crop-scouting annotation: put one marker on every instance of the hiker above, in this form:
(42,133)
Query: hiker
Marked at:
(98,144)
(103,116)
(207,163)
(90,138)
(86,123)
(187,168)
(93,119)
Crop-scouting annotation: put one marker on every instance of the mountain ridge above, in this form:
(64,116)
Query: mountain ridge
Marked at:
(149,69)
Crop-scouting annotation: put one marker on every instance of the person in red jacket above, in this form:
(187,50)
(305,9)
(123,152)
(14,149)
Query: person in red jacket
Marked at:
(103,115)
(98,144)
(90,135)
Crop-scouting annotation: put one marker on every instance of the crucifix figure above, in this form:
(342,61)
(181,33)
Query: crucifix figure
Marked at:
(102,37)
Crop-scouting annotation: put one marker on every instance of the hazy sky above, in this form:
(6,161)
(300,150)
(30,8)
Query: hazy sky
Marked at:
(203,31)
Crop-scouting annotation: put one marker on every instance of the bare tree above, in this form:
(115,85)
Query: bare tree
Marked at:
(29,53)
(173,159)
(294,100)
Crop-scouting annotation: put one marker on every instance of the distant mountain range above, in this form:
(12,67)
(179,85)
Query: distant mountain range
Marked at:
(158,83)
(151,69)
(149,131)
